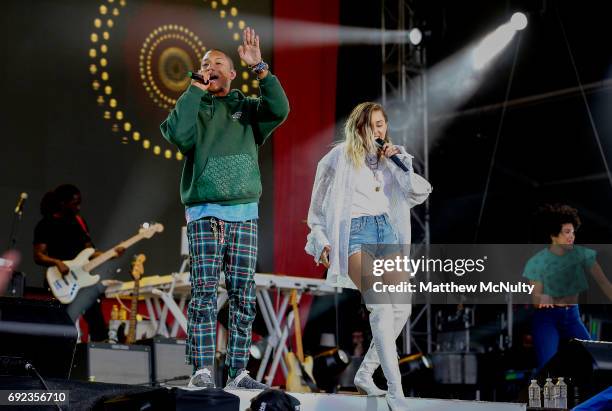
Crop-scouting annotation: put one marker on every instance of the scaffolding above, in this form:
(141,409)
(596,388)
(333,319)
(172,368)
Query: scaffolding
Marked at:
(404,95)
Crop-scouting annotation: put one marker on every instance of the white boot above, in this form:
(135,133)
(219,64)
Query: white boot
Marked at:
(383,335)
(363,378)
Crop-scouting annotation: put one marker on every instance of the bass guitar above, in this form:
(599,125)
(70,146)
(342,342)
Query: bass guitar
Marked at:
(66,287)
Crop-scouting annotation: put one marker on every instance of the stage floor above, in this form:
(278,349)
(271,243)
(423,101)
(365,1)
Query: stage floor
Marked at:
(341,402)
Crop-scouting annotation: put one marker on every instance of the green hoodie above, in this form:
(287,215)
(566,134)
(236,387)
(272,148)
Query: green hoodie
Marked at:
(219,137)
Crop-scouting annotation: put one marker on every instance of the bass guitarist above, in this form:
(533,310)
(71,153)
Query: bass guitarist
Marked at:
(61,235)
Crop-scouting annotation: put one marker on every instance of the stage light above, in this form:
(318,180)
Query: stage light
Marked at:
(415,35)
(518,21)
(498,40)
(492,45)
(258,349)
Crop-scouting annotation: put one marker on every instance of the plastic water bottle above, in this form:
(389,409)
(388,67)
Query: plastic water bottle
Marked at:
(561,389)
(555,396)
(548,393)
(535,399)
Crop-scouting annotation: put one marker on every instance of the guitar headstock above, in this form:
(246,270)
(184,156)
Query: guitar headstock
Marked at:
(149,229)
(137,266)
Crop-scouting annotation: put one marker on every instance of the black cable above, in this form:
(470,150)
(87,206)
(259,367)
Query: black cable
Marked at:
(583,94)
(497,138)
(31,368)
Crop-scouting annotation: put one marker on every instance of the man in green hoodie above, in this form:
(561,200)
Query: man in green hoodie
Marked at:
(219,130)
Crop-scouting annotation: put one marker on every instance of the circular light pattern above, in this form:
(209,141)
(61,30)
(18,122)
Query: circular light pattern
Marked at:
(172,63)
(170,67)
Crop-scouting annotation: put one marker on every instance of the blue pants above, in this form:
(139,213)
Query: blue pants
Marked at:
(551,325)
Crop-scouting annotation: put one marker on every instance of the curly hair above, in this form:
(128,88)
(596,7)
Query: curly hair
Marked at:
(66,192)
(551,218)
(51,200)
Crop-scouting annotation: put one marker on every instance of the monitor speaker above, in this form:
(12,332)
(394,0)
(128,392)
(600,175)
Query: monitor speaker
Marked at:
(39,332)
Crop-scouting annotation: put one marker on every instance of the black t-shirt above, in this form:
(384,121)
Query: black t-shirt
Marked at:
(65,237)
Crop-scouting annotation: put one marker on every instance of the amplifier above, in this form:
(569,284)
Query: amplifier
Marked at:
(40,332)
(168,360)
(455,367)
(113,363)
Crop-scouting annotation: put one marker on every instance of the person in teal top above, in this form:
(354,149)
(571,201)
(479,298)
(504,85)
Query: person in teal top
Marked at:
(219,131)
(560,271)
(559,274)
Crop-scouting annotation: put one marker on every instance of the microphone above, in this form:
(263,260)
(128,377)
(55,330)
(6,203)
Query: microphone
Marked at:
(20,202)
(197,77)
(380,143)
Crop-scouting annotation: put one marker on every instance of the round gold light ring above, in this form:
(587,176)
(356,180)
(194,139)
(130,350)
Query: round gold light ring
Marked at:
(99,68)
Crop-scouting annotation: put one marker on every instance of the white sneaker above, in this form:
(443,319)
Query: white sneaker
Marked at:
(202,378)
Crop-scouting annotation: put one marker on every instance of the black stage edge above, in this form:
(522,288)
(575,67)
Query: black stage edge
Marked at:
(98,396)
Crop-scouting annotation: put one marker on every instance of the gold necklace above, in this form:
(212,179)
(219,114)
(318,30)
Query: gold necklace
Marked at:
(373,166)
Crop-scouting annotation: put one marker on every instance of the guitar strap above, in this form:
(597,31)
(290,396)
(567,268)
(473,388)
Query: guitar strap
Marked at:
(82,224)
(306,378)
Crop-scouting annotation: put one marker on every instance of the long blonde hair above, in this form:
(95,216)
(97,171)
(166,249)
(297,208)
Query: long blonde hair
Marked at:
(358,132)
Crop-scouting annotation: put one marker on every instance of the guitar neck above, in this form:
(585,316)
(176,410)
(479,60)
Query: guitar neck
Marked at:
(107,255)
(133,313)
(298,328)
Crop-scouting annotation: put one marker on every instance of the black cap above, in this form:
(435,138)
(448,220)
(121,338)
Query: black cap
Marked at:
(274,400)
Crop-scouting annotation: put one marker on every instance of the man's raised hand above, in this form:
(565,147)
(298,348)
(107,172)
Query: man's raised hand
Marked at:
(249,49)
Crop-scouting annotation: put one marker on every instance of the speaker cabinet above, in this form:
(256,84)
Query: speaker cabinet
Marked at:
(168,360)
(40,332)
(113,363)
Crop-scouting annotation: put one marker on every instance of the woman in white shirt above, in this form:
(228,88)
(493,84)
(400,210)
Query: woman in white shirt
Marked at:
(360,197)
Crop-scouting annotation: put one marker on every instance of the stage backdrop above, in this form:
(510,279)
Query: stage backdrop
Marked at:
(299,144)
(86,85)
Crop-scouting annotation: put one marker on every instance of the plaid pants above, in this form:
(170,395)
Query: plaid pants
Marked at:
(231,247)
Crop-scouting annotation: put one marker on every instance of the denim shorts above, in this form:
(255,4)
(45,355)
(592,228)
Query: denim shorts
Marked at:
(370,230)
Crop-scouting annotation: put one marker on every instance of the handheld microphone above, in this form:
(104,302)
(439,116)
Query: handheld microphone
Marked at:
(197,77)
(380,143)
(20,202)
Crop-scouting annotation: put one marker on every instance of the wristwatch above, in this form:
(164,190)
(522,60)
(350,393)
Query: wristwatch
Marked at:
(259,67)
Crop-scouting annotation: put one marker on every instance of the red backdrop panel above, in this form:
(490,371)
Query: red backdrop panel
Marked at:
(308,76)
